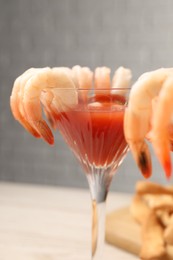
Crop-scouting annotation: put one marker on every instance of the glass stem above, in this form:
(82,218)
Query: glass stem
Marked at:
(99,181)
(98,229)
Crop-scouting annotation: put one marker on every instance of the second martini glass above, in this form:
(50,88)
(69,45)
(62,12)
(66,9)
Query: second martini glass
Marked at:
(92,126)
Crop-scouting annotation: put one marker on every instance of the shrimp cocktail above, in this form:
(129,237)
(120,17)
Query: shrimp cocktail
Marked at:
(91,113)
(88,110)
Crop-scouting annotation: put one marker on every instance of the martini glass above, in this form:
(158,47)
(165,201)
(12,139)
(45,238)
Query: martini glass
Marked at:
(92,126)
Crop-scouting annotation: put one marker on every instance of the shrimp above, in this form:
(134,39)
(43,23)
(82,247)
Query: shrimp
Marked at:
(82,78)
(102,78)
(16,105)
(160,134)
(137,122)
(25,98)
(121,79)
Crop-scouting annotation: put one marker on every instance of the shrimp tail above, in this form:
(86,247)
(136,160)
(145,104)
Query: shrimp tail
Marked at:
(138,147)
(45,131)
(168,168)
(37,122)
(162,150)
(142,157)
(164,157)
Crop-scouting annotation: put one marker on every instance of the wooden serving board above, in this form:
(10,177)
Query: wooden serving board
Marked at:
(122,231)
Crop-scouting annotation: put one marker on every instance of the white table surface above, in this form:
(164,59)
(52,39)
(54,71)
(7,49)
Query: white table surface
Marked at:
(50,223)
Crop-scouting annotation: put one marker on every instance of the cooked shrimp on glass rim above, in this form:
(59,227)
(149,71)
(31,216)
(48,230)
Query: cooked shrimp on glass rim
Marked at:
(149,114)
(39,88)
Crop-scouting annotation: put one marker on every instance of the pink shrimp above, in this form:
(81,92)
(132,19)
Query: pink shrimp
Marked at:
(160,134)
(138,117)
(102,78)
(45,79)
(16,104)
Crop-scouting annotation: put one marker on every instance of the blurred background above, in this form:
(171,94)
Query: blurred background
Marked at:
(135,34)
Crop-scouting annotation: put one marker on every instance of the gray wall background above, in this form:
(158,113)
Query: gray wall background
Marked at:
(37,33)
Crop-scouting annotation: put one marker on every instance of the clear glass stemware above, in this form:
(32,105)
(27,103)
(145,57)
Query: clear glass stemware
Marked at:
(91,123)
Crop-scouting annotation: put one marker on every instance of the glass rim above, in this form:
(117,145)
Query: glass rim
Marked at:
(95,89)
